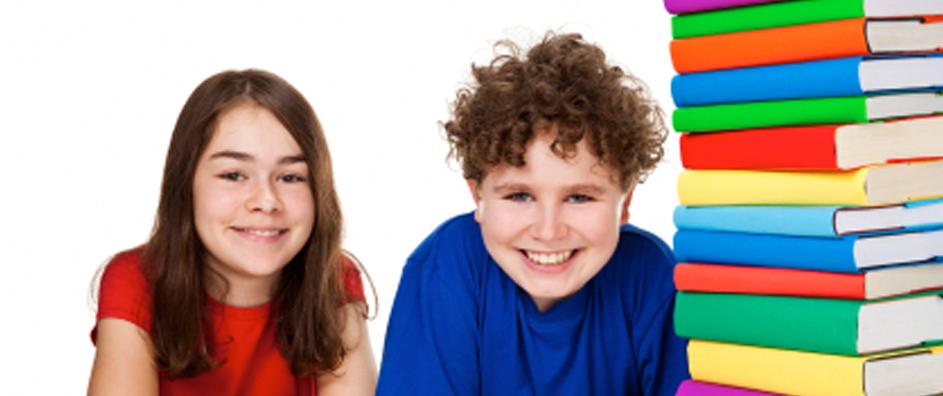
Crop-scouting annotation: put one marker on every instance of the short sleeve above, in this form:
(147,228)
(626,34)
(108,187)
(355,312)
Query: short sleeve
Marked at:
(124,293)
(352,284)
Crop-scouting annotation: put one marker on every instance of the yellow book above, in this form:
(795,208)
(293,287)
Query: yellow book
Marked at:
(876,185)
(911,372)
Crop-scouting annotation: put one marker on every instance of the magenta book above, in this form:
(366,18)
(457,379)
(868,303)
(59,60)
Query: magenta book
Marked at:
(697,388)
(686,6)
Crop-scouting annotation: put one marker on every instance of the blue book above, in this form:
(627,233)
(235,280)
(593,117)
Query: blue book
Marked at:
(846,254)
(852,76)
(814,221)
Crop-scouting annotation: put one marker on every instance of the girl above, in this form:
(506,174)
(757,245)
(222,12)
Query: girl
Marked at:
(242,287)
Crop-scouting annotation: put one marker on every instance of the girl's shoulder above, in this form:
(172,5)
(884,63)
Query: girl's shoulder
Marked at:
(124,292)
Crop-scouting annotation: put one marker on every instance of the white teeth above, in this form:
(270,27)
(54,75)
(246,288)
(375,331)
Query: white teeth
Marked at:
(549,258)
(263,233)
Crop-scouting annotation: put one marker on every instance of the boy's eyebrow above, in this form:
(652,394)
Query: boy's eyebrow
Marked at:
(588,188)
(507,187)
(240,156)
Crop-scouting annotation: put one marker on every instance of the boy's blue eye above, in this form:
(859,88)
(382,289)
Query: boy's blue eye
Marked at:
(232,176)
(579,198)
(518,197)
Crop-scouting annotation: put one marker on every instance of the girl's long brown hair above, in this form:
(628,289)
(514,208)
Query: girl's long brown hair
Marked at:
(308,321)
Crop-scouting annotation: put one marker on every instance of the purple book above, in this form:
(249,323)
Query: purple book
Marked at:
(696,388)
(686,6)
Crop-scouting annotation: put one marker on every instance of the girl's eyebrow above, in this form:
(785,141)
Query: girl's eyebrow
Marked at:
(240,156)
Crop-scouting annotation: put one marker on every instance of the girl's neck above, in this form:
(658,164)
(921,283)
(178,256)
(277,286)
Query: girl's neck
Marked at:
(240,291)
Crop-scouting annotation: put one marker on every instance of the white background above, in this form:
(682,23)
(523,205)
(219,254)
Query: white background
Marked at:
(89,93)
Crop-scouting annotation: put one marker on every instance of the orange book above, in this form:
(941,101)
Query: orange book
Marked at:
(873,284)
(814,41)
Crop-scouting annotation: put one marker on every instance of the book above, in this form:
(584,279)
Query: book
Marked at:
(815,147)
(845,254)
(814,221)
(911,372)
(814,41)
(764,16)
(698,388)
(869,285)
(824,325)
(686,6)
(850,76)
(872,185)
(844,109)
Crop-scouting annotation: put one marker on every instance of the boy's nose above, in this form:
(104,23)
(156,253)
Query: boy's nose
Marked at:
(549,225)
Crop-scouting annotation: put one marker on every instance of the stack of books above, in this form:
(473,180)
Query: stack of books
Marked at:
(810,231)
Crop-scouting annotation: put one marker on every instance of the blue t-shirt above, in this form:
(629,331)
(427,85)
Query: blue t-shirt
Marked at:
(461,326)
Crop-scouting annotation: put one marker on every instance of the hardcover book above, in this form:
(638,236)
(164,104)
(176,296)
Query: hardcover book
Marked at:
(868,285)
(851,76)
(764,16)
(846,254)
(845,109)
(801,43)
(911,372)
(814,221)
(825,325)
(686,6)
(873,185)
(815,147)
(698,388)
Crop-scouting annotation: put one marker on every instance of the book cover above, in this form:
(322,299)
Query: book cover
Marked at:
(815,147)
(813,221)
(913,372)
(764,16)
(793,112)
(824,325)
(846,254)
(851,76)
(869,285)
(873,185)
(801,43)
(687,6)
(698,388)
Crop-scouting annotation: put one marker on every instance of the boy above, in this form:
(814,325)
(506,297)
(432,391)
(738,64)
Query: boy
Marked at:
(542,290)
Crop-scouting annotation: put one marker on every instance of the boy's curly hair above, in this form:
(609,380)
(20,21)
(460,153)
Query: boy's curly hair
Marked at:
(564,82)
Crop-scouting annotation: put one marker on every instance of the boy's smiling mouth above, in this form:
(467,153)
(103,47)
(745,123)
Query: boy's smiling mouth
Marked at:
(549,258)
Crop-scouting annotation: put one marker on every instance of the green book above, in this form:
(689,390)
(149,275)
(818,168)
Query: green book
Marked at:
(815,111)
(824,325)
(795,12)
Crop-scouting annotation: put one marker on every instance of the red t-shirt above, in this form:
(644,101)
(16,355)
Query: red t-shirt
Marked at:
(251,362)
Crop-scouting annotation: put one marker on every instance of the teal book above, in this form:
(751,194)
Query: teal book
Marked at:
(824,325)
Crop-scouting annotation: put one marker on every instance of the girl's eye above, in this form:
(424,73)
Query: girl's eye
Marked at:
(232,176)
(579,198)
(519,197)
(292,178)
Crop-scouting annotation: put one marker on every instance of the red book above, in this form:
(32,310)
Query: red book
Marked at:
(819,147)
(878,283)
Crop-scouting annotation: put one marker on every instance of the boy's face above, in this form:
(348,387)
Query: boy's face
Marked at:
(552,224)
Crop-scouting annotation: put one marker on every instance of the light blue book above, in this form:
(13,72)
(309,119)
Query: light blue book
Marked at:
(845,254)
(814,221)
(852,76)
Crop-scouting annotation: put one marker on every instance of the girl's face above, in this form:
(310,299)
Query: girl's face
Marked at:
(252,202)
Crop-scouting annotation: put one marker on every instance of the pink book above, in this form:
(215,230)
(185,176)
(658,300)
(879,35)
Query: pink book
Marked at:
(686,6)
(697,388)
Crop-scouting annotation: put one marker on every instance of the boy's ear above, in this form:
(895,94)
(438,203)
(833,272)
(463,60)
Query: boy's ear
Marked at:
(473,189)
(624,219)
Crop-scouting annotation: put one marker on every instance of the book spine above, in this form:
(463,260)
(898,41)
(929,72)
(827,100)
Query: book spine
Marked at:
(824,325)
(793,148)
(687,6)
(821,254)
(848,109)
(747,187)
(814,221)
(800,43)
(698,388)
(833,77)
(765,16)
(716,278)
(776,370)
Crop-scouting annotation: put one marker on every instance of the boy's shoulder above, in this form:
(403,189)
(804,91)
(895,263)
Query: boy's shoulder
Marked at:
(633,237)
(459,236)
